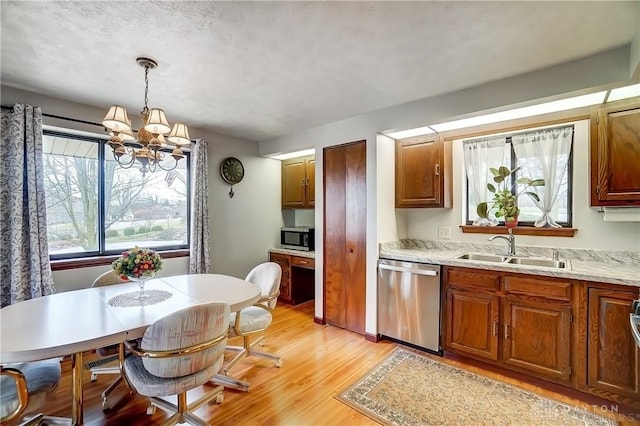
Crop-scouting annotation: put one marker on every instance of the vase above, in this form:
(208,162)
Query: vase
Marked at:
(142,280)
(511,223)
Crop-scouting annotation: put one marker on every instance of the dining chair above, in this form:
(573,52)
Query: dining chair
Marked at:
(257,318)
(23,389)
(179,352)
(109,354)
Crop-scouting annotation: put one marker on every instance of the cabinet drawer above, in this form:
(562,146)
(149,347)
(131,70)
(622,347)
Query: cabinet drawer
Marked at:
(303,262)
(473,278)
(280,259)
(535,287)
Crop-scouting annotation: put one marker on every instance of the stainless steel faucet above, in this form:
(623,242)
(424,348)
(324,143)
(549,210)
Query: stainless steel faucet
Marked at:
(511,240)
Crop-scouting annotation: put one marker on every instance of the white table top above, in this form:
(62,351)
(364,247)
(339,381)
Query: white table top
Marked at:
(81,320)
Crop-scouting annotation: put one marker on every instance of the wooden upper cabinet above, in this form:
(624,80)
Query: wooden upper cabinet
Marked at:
(423,170)
(298,183)
(615,154)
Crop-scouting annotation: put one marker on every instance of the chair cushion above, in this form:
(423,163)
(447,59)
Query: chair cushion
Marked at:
(182,329)
(147,384)
(251,319)
(41,376)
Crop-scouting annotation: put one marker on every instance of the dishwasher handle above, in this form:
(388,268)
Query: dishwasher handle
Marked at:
(429,272)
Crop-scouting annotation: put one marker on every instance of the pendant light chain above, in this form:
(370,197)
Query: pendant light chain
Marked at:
(146,90)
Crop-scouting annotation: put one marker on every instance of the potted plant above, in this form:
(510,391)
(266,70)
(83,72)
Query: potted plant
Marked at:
(504,201)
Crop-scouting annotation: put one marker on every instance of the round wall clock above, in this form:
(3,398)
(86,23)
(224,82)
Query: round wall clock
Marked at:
(231,170)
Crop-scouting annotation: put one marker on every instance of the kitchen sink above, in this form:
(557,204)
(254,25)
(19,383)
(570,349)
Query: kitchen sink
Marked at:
(547,263)
(483,257)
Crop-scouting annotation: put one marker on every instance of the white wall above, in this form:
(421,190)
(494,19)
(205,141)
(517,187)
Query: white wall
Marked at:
(548,84)
(592,233)
(242,228)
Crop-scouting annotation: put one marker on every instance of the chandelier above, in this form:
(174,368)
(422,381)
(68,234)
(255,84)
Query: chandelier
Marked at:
(150,137)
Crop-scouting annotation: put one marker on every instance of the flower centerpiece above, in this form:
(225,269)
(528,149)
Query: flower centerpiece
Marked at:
(505,201)
(137,263)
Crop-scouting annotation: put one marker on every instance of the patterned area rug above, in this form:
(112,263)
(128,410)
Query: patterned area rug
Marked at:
(410,389)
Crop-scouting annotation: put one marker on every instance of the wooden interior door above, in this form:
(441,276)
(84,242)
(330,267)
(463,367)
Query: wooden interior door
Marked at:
(345,236)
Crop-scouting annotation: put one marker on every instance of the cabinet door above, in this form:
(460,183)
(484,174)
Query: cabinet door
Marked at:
(615,154)
(537,337)
(294,183)
(612,355)
(419,172)
(311,182)
(471,323)
(285,282)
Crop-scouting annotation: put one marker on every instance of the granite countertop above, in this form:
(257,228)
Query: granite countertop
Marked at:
(299,253)
(589,265)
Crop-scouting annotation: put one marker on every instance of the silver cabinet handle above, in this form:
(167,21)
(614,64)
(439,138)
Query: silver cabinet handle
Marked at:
(506,331)
(495,328)
(302,182)
(437,169)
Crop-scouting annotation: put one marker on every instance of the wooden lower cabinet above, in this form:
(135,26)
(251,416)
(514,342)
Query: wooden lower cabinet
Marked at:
(297,284)
(613,359)
(472,323)
(514,321)
(537,337)
(574,333)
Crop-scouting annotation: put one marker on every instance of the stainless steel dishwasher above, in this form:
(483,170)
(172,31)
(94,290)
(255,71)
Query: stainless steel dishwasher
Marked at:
(409,303)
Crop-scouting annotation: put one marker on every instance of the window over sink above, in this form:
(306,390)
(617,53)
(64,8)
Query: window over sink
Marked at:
(539,154)
(95,207)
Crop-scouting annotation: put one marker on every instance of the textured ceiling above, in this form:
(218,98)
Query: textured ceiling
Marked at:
(262,69)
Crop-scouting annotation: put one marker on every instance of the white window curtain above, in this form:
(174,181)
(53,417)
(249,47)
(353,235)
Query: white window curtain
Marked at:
(479,156)
(544,154)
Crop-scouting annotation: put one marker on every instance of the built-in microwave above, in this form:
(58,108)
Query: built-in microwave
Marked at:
(298,238)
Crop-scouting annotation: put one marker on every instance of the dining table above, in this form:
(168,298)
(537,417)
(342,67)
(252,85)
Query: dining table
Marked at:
(73,322)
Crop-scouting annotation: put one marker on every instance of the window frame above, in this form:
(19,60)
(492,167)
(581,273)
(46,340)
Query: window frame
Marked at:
(96,257)
(513,164)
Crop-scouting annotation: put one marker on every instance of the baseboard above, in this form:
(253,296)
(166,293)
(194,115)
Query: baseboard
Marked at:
(371,337)
(319,320)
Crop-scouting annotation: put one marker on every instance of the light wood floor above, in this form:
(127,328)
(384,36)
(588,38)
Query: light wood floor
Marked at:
(319,362)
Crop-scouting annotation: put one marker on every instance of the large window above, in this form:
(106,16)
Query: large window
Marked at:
(501,151)
(96,207)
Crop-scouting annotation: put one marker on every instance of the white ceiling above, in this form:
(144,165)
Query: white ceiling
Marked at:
(258,70)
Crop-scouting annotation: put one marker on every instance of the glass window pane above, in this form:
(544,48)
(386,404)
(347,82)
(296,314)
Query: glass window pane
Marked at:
(71,188)
(149,210)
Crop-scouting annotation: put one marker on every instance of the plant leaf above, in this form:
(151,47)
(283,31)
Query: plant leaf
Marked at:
(491,188)
(494,171)
(481,210)
(504,171)
(537,182)
(524,180)
(533,195)
(498,179)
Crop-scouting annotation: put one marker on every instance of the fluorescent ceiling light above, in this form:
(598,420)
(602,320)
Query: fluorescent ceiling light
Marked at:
(411,132)
(294,154)
(545,108)
(624,92)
